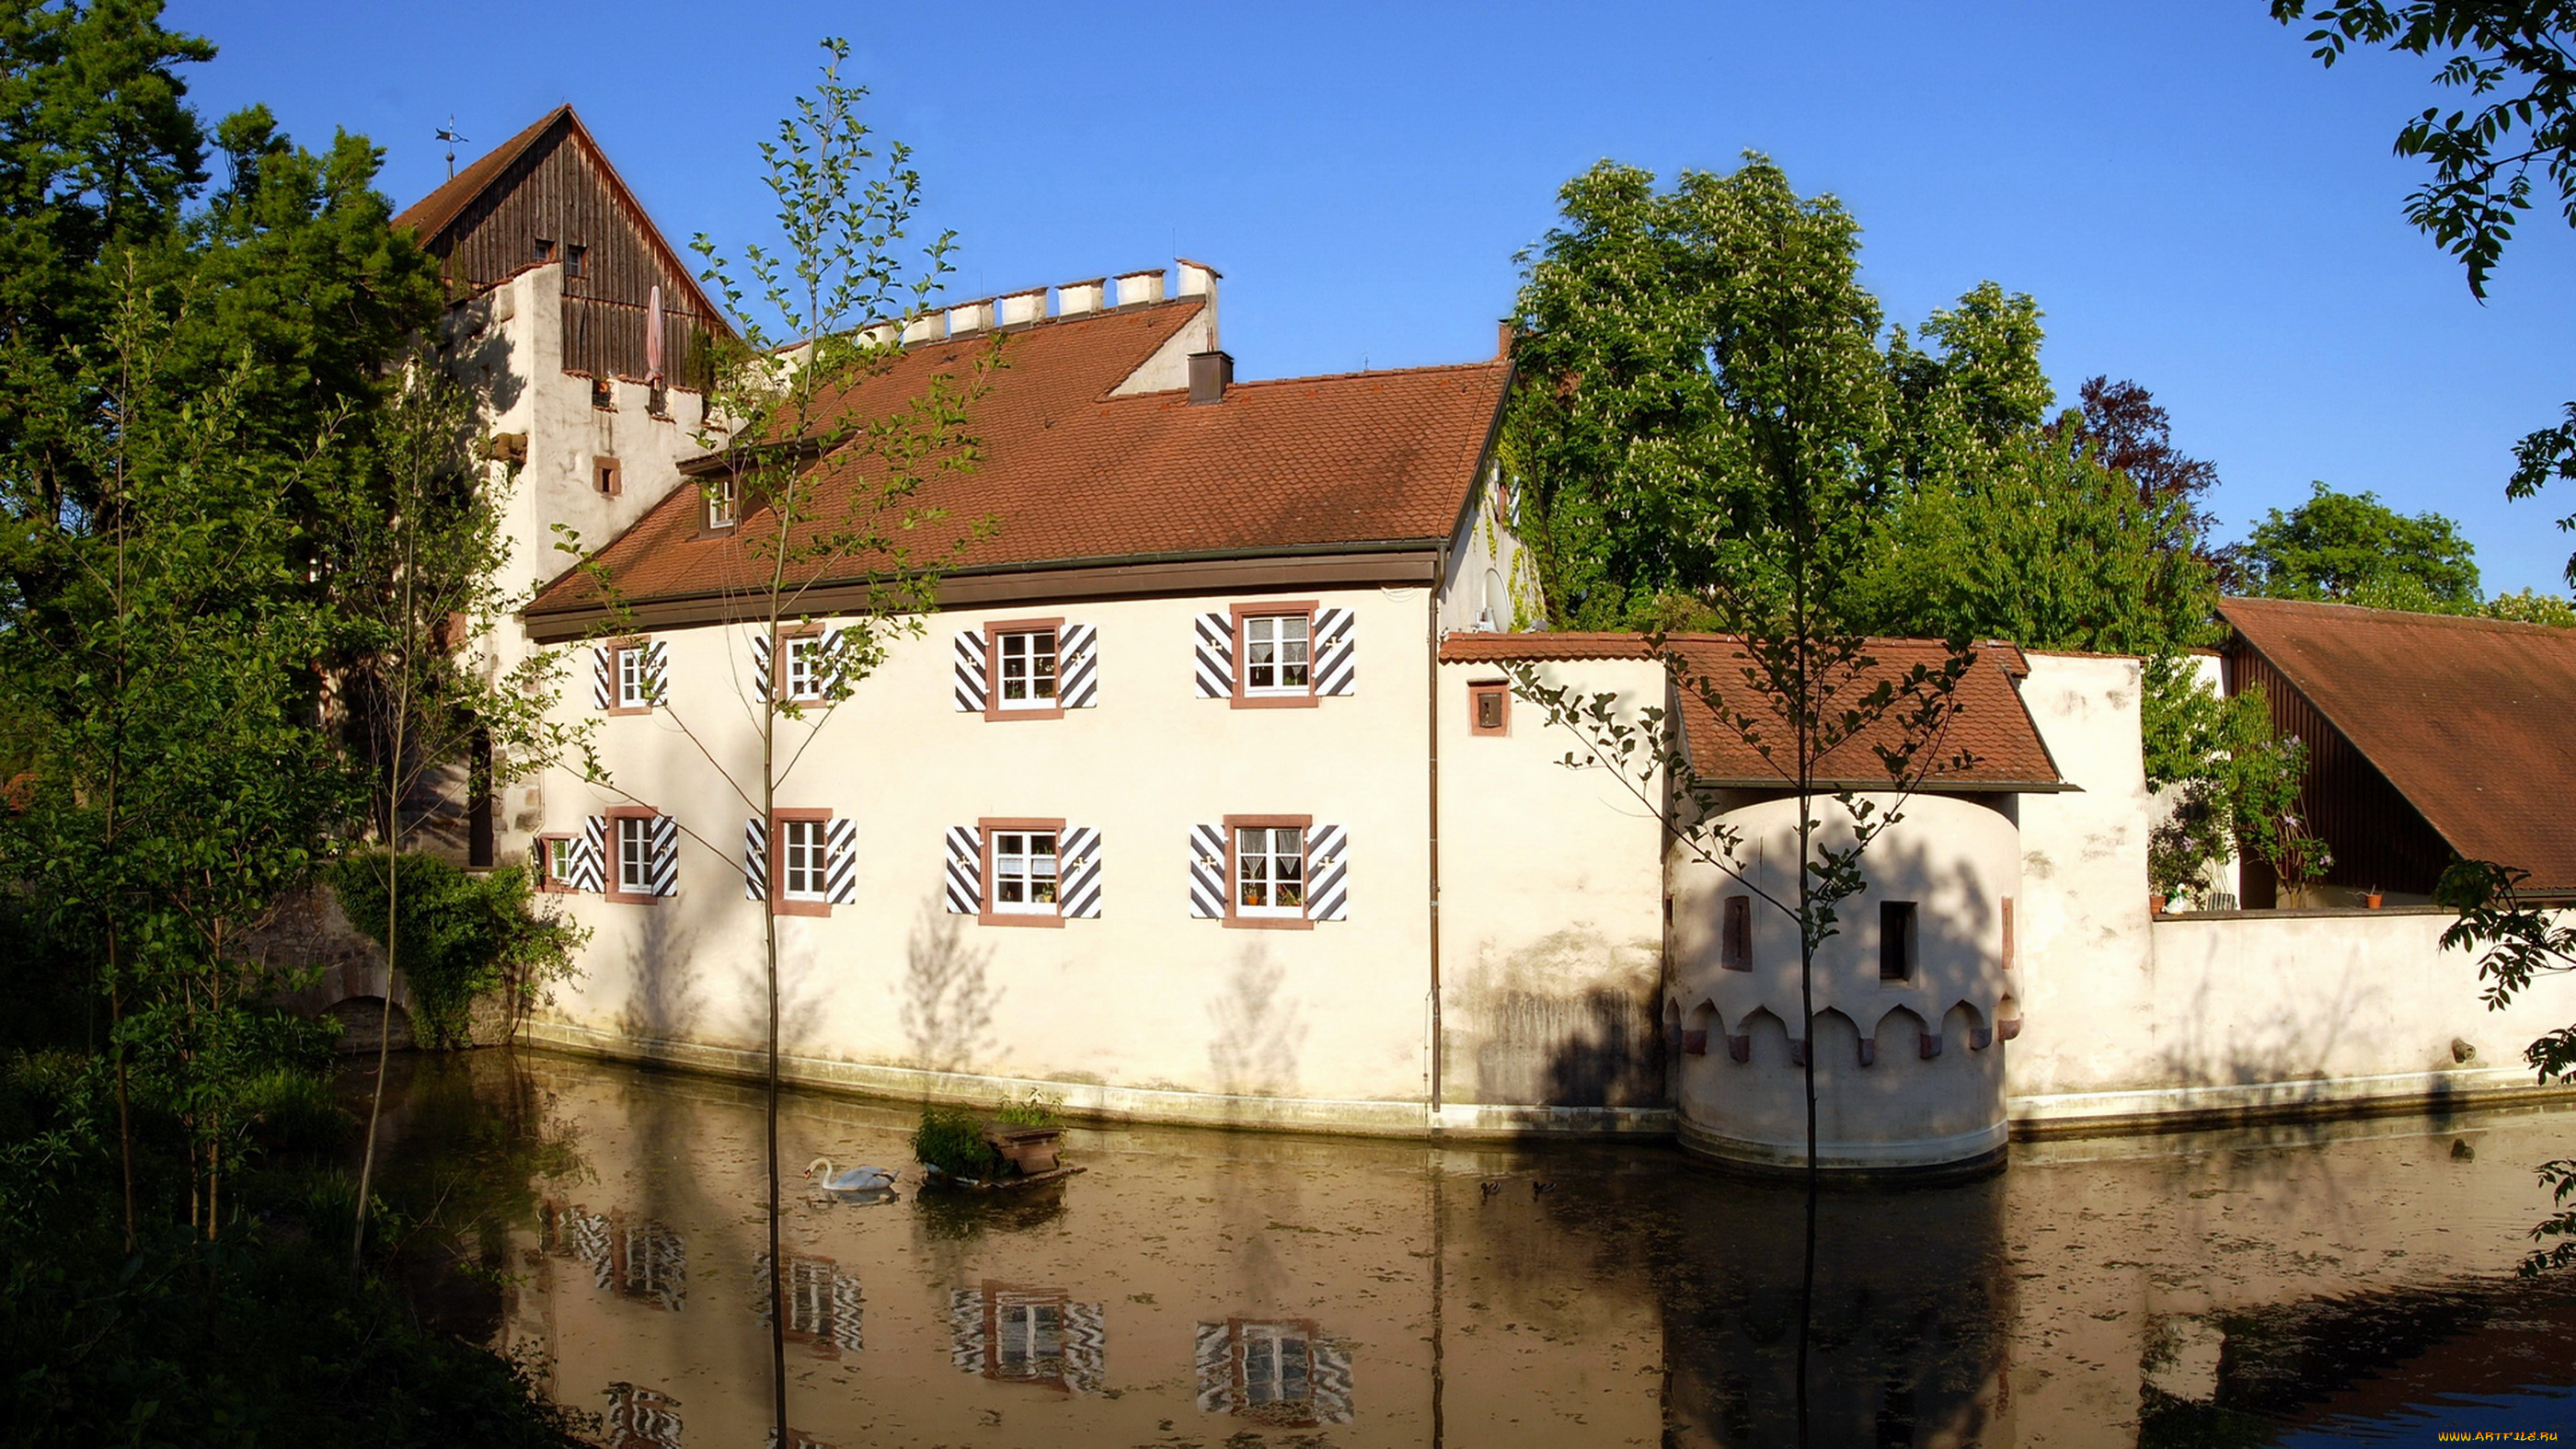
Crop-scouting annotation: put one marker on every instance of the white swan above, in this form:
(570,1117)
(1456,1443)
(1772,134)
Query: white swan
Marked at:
(857,1179)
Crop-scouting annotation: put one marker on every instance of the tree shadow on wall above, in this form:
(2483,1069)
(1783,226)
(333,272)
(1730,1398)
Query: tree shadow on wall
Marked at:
(1259,1031)
(1607,1051)
(947,1004)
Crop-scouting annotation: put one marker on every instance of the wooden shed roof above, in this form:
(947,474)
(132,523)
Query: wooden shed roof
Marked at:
(2472,720)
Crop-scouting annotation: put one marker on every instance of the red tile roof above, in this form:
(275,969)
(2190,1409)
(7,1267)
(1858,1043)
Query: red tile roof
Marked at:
(2472,720)
(1991,725)
(1071,474)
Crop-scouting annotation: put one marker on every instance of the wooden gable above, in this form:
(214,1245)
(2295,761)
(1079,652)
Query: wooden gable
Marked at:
(549,195)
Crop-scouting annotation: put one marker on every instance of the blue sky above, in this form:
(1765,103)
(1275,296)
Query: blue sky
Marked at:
(2192,200)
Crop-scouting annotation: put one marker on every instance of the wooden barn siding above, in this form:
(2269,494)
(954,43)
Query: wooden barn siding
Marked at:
(554,191)
(2378,839)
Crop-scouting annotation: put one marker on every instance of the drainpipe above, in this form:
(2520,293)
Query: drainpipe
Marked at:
(1431,619)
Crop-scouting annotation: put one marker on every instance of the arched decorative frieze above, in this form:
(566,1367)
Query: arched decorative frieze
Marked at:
(2008,1017)
(1771,1033)
(1911,1034)
(1836,1038)
(1968,1024)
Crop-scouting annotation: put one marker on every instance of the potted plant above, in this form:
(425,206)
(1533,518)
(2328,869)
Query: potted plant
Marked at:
(2370,898)
(1024,1134)
(951,1145)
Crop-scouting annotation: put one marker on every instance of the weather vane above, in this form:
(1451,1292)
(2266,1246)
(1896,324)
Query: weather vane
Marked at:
(448,134)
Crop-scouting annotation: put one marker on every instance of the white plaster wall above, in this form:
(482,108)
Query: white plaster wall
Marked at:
(2274,1010)
(1957,859)
(2086,963)
(1145,996)
(1489,567)
(1551,893)
(506,346)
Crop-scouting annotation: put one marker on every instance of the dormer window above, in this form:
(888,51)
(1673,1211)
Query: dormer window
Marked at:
(724,502)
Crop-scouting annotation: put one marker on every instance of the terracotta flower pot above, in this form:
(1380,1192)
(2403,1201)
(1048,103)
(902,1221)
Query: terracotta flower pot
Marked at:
(2370,900)
(2155,903)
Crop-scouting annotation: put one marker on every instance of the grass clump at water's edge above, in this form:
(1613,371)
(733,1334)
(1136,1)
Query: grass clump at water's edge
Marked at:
(953,1141)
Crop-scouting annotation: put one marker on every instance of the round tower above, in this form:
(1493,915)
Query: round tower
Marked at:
(1913,995)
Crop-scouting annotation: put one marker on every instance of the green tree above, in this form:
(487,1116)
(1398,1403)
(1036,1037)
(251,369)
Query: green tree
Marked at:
(98,152)
(1715,372)
(2353,549)
(822,487)
(2516,60)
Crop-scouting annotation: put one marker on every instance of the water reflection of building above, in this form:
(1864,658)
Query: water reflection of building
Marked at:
(822,1304)
(1028,1336)
(637,1258)
(641,1418)
(1277,1372)
(1908,1336)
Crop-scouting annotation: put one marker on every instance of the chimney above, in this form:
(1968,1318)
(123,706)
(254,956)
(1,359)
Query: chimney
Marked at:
(1079,299)
(928,327)
(1211,373)
(1198,279)
(1021,308)
(1136,287)
(1504,334)
(968,317)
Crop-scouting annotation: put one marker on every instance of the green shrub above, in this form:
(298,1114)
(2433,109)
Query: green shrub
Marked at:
(295,1110)
(463,935)
(953,1141)
(1035,1110)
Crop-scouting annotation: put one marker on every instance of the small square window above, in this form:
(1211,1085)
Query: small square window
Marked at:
(724,502)
(575,258)
(1024,872)
(557,854)
(1489,704)
(600,396)
(1026,669)
(545,250)
(1270,870)
(634,855)
(803,860)
(1896,940)
(1275,654)
(804,668)
(634,678)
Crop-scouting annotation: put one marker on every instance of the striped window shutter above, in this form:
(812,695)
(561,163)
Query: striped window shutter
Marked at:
(760,666)
(1328,892)
(970,671)
(965,870)
(1336,631)
(1207,872)
(831,680)
(1215,656)
(657,675)
(841,875)
(666,855)
(755,859)
(588,857)
(1077,667)
(1078,865)
(603,690)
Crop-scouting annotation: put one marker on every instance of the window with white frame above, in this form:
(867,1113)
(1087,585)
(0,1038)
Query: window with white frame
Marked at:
(1275,654)
(1270,870)
(1025,668)
(1024,872)
(634,677)
(805,668)
(1028,1340)
(634,855)
(724,502)
(560,854)
(1278,1364)
(804,861)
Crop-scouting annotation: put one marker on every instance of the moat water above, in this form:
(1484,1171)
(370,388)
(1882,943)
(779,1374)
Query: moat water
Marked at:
(2334,1283)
